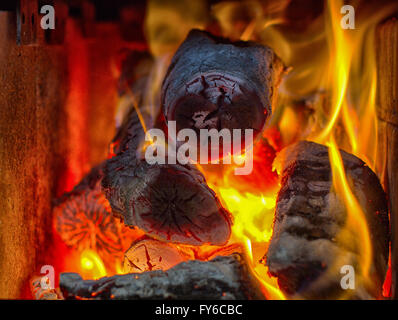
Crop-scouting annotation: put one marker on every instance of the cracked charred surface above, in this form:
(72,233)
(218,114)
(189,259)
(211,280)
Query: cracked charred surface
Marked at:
(213,83)
(223,278)
(310,244)
(149,255)
(171,202)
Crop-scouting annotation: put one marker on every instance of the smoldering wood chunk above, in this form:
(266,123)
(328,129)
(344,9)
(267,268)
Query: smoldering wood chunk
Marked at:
(84,220)
(216,83)
(223,278)
(150,254)
(169,202)
(309,244)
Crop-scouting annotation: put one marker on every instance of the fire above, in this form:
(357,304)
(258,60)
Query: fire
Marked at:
(257,225)
(340,62)
(253,219)
(92,265)
(346,74)
(252,204)
(343,71)
(356,218)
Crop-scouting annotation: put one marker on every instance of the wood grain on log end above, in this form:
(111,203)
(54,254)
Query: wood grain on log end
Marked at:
(169,202)
(309,244)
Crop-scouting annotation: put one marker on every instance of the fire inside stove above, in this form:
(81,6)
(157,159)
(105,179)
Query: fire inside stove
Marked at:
(246,152)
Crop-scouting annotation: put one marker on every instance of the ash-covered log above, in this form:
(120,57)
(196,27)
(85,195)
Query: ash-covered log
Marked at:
(171,202)
(213,82)
(310,242)
(223,278)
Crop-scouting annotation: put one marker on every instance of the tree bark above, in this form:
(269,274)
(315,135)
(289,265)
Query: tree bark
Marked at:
(387,111)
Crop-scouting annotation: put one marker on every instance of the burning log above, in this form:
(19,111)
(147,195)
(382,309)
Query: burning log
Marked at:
(223,278)
(387,97)
(216,83)
(310,244)
(169,202)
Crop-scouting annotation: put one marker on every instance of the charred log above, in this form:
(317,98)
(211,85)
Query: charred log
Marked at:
(214,83)
(223,278)
(310,244)
(170,202)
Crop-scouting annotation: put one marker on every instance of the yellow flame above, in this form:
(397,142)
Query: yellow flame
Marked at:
(92,265)
(341,55)
(258,224)
(270,285)
(356,221)
(253,219)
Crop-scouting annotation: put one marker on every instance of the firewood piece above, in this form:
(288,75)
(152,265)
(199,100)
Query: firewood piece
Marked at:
(169,202)
(150,254)
(387,97)
(84,220)
(223,278)
(216,83)
(307,249)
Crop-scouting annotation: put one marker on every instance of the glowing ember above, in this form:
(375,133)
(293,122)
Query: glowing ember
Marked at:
(92,265)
